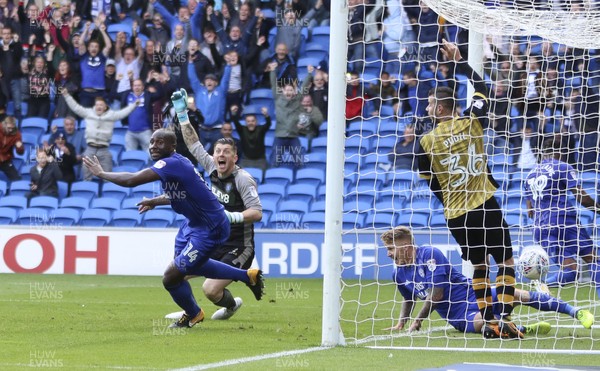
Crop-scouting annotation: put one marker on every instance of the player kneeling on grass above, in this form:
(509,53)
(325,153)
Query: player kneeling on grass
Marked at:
(203,231)
(236,190)
(554,216)
(423,272)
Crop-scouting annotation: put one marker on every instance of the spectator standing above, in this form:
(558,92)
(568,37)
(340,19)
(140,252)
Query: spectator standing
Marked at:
(92,66)
(100,123)
(310,120)
(10,137)
(140,127)
(45,175)
(404,155)
(211,99)
(252,138)
(11,53)
(64,154)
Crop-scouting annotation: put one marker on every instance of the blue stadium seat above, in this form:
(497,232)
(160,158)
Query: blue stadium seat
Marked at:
(256,173)
(370,180)
(63,189)
(388,128)
(300,192)
(32,216)
(393,204)
(380,220)
(112,190)
(65,217)
(384,145)
(420,204)
(118,143)
(316,51)
(302,63)
(158,218)
(386,111)
(320,35)
(255,110)
(357,133)
(261,98)
(314,220)
(264,222)
(34,125)
(373,66)
(357,207)
(19,188)
(130,203)
(126,218)
(414,219)
(319,144)
(7,215)
(108,203)
(360,197)
(353,220)
(292,205)
(45,202)
(25,173)
(3,188)
(95,218)
(79,203)
(271,189)
(437,220)
(316,160)
(280,176)
(31,139)
(317,206)
(137,159)
(513,219)
(13,202)
(125,169)
(58,122)
(148,190)
(378,162)
(310,177)
(85,189)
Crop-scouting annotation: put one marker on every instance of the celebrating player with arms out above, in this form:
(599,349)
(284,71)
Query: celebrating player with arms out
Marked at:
(204,230)
(451,156)
(423,272)
(236,190)
(556,227)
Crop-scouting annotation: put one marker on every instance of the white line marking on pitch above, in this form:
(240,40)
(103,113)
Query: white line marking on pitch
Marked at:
(250,359)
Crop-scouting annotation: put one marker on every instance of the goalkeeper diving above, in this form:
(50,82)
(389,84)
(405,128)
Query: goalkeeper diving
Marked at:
(423,272)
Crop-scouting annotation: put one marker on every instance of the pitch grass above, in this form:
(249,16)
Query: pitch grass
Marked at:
(103,322)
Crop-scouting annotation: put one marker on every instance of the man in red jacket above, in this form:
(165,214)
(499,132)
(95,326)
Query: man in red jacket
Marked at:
(10,137)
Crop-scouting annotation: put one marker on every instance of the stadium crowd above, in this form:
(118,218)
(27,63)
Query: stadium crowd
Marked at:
(247,62)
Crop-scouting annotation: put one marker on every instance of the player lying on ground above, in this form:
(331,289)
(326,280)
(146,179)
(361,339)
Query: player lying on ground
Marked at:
(556,227)
(204,229)
(423,272)
(236,190)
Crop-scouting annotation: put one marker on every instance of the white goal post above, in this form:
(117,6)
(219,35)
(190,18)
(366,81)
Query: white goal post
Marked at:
(374,303)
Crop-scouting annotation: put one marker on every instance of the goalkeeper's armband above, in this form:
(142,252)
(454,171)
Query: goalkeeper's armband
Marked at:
(235,217)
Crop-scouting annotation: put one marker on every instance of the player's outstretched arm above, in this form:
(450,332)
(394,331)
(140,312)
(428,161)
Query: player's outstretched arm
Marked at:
(405,312)
(429,304)
(123,179)
(585,199)
(150,203)
(452,53)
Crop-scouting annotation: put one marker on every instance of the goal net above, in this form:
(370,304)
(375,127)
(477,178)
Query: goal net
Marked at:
(539,63)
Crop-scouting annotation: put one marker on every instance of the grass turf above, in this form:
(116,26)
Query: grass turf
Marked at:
(103,322)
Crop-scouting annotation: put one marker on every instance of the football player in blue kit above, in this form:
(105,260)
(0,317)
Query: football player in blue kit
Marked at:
(205,228)
(555,224)
(423,272)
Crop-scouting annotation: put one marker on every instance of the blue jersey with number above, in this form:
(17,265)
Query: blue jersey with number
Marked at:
(189,193)
(547,187)
(432,269)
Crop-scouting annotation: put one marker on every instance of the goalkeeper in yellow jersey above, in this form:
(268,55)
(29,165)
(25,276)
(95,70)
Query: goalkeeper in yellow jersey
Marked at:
(452,158)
